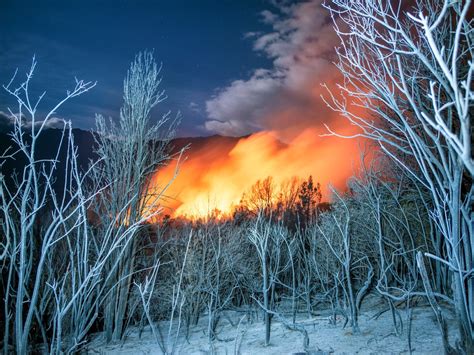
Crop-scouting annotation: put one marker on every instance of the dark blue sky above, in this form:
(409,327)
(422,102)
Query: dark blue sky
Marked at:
(201,44)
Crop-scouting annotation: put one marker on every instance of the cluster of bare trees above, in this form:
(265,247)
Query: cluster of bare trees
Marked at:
(366,242)
(68,251)
(411,70)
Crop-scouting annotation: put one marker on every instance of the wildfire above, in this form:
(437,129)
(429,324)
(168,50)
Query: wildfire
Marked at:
(215,174)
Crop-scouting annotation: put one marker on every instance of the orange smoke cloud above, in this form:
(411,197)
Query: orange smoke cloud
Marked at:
(215,174)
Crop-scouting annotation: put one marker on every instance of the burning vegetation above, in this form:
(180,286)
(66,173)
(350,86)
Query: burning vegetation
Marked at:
(222,175)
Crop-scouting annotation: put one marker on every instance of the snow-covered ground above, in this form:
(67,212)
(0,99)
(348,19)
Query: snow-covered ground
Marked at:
(246,335)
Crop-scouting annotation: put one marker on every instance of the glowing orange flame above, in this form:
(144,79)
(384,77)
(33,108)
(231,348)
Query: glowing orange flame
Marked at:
(216,174)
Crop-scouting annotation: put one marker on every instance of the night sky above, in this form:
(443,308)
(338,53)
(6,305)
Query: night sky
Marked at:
(203,45)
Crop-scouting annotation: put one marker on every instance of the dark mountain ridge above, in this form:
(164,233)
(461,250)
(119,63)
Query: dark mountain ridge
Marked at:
(50,139)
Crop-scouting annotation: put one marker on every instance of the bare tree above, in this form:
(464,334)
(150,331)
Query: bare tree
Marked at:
(132,150)
(261,196)
(337,229)
(269,241)
(413,73)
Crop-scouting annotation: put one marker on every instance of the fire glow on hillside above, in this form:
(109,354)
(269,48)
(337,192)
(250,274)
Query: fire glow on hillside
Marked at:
(283,104)
(213,177)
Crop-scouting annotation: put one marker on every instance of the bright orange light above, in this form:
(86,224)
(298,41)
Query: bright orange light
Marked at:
(216,174)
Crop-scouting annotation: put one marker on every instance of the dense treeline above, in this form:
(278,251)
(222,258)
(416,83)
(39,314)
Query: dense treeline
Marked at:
(366,241)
